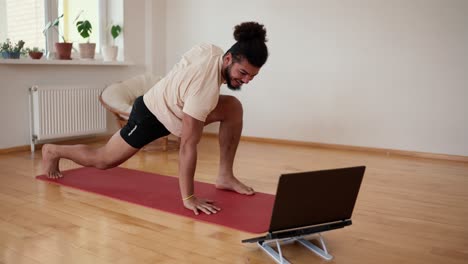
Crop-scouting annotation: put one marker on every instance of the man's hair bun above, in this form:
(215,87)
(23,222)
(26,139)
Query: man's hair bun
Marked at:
(250,44)
(249,31)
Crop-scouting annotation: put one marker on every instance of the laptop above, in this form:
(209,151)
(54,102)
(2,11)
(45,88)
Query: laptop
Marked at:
(313,202)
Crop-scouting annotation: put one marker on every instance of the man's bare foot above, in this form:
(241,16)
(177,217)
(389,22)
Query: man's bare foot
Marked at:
(233,184)
(50,162)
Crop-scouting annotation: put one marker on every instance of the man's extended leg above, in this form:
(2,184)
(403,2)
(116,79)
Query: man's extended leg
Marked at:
(229,112)
(110,155)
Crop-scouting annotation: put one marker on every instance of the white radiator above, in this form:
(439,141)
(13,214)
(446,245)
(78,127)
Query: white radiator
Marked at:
(61,112)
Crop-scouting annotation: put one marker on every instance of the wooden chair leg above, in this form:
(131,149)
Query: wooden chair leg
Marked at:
(165,143)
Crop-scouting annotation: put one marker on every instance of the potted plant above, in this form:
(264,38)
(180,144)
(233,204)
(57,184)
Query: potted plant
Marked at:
(109,53)
(63,48)
(10,51)
(87,50)
(35,53)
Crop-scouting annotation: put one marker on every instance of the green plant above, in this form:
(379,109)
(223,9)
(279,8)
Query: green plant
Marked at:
(34,49)
(115,31)
(5,46)
(84,28)
(54,24)
(9,50)
(8,46)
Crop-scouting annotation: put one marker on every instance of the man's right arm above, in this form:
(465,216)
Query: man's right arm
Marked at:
(192,130)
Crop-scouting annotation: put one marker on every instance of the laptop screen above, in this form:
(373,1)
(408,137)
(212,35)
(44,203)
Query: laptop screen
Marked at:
(317,197)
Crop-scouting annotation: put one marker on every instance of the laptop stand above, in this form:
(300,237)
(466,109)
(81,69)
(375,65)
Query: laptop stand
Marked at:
(278,256)
(297,235)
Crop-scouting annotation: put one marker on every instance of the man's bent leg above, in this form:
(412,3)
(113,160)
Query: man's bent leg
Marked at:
(115,152)
(229,112)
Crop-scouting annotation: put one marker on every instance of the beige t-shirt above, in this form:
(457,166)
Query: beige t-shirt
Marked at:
(191,87)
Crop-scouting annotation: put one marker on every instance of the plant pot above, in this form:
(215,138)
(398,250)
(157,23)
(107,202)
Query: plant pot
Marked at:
(109,53)
(87,50)
(63,50)
(10,55)
(35,55)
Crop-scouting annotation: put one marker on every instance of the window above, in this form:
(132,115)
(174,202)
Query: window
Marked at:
(22,20)
(86,10)
(25,20)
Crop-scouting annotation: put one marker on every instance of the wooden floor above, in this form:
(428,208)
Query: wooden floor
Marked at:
(409,210)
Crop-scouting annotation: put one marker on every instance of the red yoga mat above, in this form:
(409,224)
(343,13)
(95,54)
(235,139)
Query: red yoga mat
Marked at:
(246,213)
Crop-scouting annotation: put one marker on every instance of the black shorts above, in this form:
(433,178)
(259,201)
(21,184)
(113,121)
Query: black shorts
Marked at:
(142,126)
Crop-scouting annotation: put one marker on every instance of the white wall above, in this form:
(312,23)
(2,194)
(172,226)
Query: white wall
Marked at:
(156,36)
(16,79)
(372,73)
(386,74)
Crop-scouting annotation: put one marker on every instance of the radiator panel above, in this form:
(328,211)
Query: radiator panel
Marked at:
(66,112)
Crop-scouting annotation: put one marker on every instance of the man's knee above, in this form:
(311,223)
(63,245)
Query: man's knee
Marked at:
(233,105)
(229,108)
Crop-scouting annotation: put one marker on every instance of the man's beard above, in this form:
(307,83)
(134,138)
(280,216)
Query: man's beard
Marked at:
(227,76)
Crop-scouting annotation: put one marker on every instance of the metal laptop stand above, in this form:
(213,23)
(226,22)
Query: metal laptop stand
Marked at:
(298,212)
(278,256)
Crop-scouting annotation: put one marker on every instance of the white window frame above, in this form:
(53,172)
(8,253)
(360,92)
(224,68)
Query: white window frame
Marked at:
(51,13)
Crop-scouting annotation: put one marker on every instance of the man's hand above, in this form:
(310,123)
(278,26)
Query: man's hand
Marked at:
(201,204)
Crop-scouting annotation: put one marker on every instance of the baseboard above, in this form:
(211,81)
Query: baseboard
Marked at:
(64,142)
(388,152)
(383,151)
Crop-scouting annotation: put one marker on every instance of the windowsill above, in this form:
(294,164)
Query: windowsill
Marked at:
(95,62)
